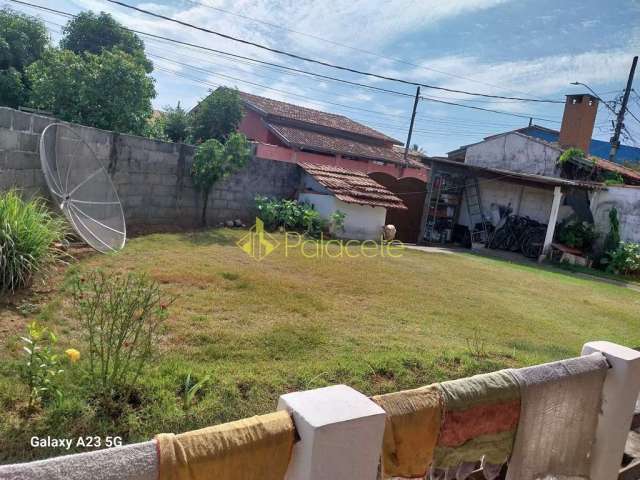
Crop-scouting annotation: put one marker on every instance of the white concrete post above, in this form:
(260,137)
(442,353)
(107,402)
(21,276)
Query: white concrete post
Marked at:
(341,434)
(551,226)
(619,394)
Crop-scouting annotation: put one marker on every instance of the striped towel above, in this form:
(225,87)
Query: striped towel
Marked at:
(479,423)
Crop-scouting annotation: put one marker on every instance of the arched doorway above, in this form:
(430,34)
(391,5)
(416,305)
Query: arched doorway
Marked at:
(412,191)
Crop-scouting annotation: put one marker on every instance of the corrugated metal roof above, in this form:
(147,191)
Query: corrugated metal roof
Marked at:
(529,177)
(352,186)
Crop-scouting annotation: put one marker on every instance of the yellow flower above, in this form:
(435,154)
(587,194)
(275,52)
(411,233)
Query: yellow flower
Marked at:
(73,354)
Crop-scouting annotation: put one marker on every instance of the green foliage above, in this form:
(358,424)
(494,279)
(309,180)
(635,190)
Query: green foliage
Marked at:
(13,92)
(625,260)
(217,116)
(612,178)
(312,223)
(337,219)
(91,33)
(22,41)
(290,215)
(109,90)
(576,234)
(155,128)
(42,364)
(215,161)
(28,233)
(279,213)
(190,389)
(570,154)
(612,241)
(176,123)
(122,319)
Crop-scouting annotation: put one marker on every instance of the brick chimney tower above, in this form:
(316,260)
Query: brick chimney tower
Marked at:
(578,121)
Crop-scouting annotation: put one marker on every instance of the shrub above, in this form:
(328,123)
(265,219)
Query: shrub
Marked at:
(215,161)
(312,223)
(576,234)
(42,364)
(612,241)
(570,154)
(28,233)
(337,221)
(122,318)
(625,260)
(176,123)
(290,214)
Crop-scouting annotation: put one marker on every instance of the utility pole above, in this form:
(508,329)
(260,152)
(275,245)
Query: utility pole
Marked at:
(615,140)
(413,117)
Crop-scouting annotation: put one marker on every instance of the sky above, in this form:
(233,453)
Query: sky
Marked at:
(521,48)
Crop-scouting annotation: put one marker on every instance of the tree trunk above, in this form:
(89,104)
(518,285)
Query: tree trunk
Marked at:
(205,201)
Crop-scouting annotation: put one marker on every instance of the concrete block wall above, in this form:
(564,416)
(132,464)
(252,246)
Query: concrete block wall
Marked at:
(152,177)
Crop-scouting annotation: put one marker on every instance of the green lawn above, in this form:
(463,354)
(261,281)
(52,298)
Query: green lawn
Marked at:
(260,329)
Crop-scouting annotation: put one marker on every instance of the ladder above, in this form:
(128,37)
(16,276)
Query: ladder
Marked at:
(474,211)
(434,193)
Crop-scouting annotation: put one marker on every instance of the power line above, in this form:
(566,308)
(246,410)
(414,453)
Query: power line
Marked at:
(303,73)
(333,103)
(362,85)
(201,47)
(488,110)
(396,127)
(321,62)
(350,47)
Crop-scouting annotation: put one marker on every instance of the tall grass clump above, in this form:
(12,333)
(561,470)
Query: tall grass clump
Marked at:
(28,232)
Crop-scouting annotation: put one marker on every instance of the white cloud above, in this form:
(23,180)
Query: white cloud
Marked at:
(538,77)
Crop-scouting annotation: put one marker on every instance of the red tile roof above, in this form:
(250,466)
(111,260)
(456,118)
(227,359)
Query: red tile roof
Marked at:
(352,186)
(617,168)
(289,111)
(301,138)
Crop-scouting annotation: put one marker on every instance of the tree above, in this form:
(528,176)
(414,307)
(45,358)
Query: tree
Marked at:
(91,33)
(176,123)
(109,90)
(155,127)
(22,41)
(215,161)
(217,116)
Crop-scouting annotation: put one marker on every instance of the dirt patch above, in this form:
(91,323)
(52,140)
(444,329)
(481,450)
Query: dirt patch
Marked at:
(20,308)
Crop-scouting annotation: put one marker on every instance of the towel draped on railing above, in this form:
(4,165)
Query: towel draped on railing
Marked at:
(257,448)
(541,420)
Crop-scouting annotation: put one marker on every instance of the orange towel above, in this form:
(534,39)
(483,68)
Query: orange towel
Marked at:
(252,448)
(411,430)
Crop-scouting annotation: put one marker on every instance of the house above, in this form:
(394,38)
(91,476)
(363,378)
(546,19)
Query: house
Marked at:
(285,132)
(288,132)
(521,171)
(329,189)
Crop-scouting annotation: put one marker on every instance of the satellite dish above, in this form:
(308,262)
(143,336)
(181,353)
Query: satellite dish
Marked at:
(82,188)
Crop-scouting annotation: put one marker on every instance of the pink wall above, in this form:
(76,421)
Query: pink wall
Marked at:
(254,128)
(270,147)
(285,154)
